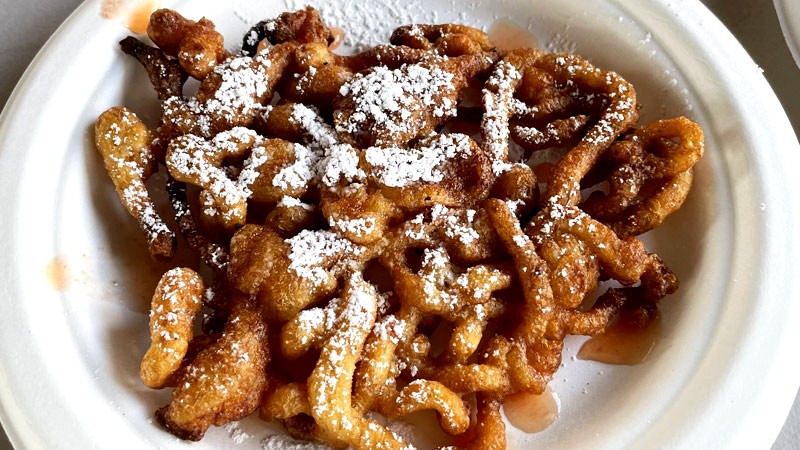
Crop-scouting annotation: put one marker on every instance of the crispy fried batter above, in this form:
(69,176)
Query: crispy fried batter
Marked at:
(330,383)
(228,97)
(201,49)
(324,73)
(290,216)
(303,26)
(223,382)
(289,275)
(124,143)
(213,255)
(197,45)
(165,74)
(459,172)
(192,159)
(176,302)
(648,155)
(166,29)
(286,401)
(386,227)
(369,110)
(447,39)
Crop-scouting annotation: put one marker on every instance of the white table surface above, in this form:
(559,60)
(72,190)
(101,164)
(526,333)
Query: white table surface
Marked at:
(25,25)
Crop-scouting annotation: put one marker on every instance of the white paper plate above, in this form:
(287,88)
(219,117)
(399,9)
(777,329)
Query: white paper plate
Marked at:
(789,18)
(723,376)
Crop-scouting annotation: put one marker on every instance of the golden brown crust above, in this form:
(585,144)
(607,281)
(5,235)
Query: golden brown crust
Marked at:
(165,74)
(167,28)
(648,155)
(124,142)
(176,302)
(446,39)
(197,46)
(212,254)
(225,381)
(303,26)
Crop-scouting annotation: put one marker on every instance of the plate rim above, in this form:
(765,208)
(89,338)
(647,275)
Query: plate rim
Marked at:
(789,20)
(13,421)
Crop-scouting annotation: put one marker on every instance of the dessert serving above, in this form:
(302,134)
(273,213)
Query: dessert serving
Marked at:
(414,227)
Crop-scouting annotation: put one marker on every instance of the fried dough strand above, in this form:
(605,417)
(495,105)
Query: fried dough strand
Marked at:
(330,383)
(124,142)
(224,381)
(212,254)
(649,154)
(165,74)
(197,46)
(176,302)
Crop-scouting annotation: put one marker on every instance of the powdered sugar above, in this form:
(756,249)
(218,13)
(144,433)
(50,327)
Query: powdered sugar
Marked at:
(320,133)
(368,24)
(498,104)
(291,202)
(340,164)
(514,205)
(391,329)
(193,161)
(243,84)
(399,166)
(437,274)
(458,223)
(301,172)
(358,226)
(386,100)
(237,435)
(283,442)
(310,250)
(250,169)
(337,358)
(137,201)
(330,161)
(196,160)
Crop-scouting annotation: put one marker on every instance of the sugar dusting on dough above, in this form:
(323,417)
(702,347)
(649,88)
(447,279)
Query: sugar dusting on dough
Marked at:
(310,250)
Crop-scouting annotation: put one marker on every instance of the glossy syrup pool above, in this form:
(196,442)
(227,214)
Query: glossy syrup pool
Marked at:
(338,37)
(139,15)
(507,35)
(532,413)
(134,14)
(623,343)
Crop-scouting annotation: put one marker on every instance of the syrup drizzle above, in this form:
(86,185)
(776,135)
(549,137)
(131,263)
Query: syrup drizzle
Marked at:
(338,37)
(532,413)
(57,274)
(139,15)
(506,35)
(623,343)
(134,14)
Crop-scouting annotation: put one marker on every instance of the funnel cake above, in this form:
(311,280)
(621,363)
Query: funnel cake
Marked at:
(347,223)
